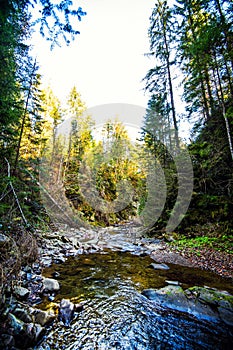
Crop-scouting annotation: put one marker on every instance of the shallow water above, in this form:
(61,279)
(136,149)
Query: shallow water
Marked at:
(117,316)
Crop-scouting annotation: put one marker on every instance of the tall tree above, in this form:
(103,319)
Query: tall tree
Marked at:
(53,113)
(206,55)
(159,79)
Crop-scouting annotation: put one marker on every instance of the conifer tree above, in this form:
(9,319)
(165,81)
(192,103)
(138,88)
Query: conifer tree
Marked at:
(159,80)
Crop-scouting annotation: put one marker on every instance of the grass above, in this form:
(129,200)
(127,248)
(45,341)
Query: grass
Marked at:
(223,243)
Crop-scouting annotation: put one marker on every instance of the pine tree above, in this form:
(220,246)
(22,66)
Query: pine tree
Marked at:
(159,80)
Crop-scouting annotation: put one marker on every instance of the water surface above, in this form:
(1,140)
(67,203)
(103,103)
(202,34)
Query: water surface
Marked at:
(117,316)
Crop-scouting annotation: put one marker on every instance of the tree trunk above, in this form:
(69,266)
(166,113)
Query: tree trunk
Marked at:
(224,114)
(24,118)
(171,89)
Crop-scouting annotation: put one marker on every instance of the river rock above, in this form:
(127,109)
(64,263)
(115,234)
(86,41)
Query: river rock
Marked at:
(21,292)
(33,333)
(43,317)
(23,314)
(203,303)
(50,285)
(66,311)
(174,298)
(16,324)
(159,266)
(220,300)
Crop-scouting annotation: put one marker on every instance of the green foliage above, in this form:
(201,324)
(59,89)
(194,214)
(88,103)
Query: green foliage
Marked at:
(106,164)
(203,51)
(221,243)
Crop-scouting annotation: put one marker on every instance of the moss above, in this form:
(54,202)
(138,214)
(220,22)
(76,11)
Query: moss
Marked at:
(212,295)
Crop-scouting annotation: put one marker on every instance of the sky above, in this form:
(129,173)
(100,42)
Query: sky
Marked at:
(106,62)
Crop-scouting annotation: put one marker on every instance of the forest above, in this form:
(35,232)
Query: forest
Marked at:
(190,39)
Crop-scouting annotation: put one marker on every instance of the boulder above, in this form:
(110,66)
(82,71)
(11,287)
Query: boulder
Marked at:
(201,302)
(175,298)
(220,300)
(50,285)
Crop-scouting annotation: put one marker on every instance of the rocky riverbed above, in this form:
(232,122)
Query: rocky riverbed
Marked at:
(25,322)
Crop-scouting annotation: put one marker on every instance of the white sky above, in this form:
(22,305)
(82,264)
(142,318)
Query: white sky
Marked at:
(106,61)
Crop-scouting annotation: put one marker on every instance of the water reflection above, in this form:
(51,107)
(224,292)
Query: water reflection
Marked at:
(117,316)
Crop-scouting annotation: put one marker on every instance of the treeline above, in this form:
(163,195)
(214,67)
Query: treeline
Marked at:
(191,45)
(23,124)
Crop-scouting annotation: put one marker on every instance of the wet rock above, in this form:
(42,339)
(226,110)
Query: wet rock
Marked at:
(33,333)
(50,285)
(226,315)
(46,261)
(174,298)
(159,266)
(174,283)
(44,317)
(21,292)
(23,315)
(34,299)
(15,323)
(66,311)
(202,303)
(78,307)
(220,300)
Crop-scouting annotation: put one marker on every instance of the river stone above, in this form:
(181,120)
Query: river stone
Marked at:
(22,315)
(175,298)
(66,311)
(221,300)
(174,283)
(33,333)
(159,266)
(78,307)
(15,323)
(21,292)
(50,285)
(44,317)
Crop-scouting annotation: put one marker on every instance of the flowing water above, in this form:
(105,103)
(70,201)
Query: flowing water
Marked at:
(117,316)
